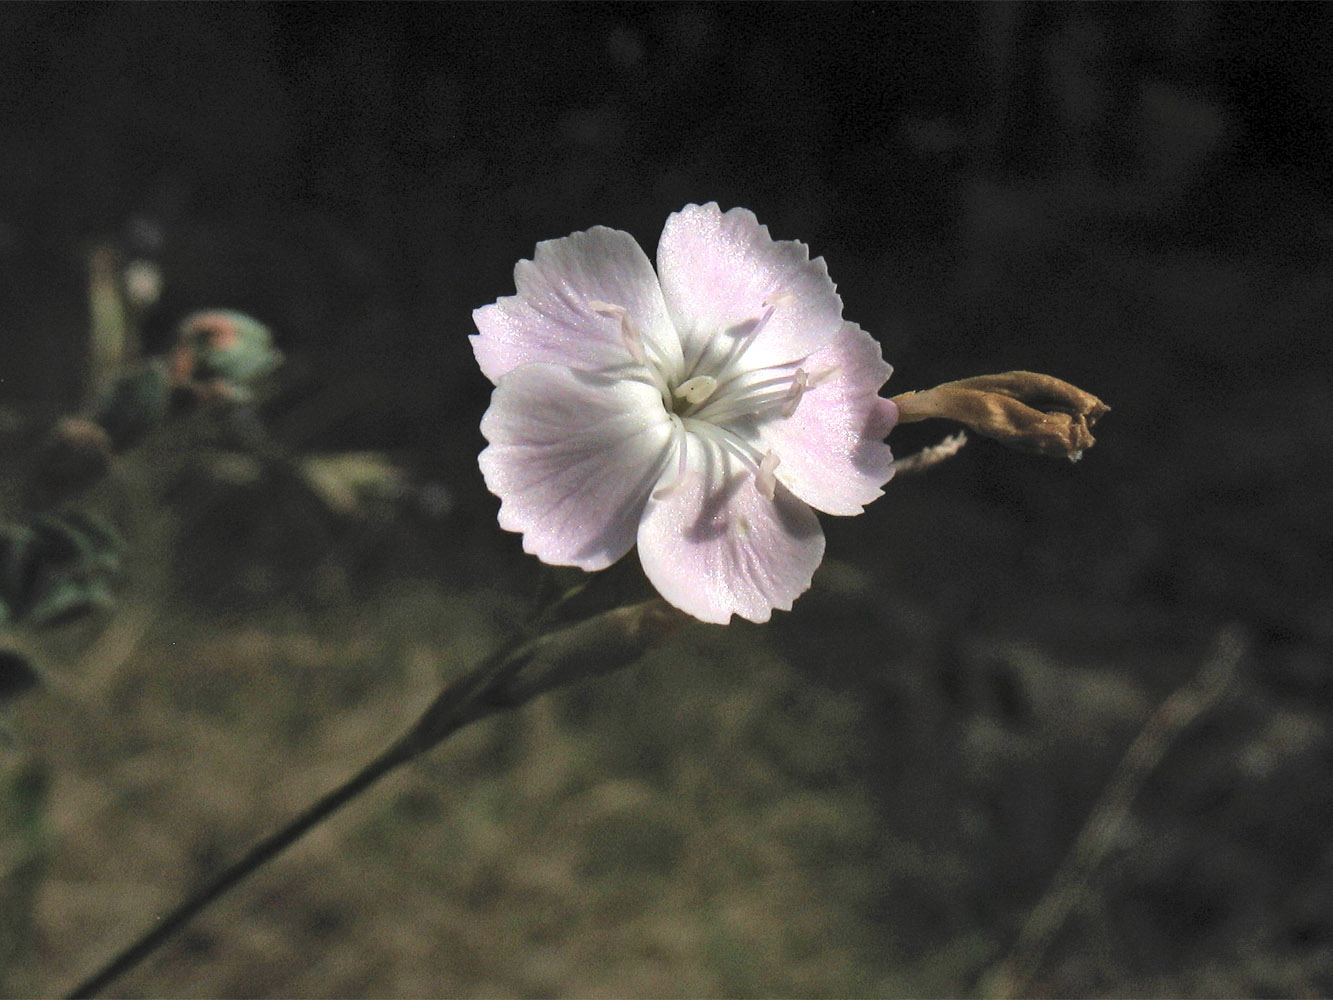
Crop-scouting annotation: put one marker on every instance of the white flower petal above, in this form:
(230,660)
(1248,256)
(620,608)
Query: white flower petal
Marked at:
(714,546)
(721,270)
(572,458)
(551,319)
(831,450)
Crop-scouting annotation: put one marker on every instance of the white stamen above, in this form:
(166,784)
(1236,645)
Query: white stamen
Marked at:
(748,337)
(764,480)
(799,383)
(629,333)
(682,440)
(696,390)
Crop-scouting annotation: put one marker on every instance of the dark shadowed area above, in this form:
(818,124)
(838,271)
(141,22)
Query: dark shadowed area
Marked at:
(871,794)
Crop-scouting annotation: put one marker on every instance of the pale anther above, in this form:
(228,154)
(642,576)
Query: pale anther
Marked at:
(764,480)
(820,376)
(606,308)
(799,383)
(629,333)
(696,390)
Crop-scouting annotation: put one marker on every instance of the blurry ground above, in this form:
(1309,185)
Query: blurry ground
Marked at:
(866,797)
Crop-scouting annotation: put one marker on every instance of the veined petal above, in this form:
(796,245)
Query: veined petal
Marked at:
(572,458)
(551,319)
(720,271)
(831,450)
(714,546)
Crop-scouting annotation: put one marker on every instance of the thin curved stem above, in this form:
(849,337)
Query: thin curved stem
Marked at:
(1013,976)
(458,704)
(517,672)
(261,853)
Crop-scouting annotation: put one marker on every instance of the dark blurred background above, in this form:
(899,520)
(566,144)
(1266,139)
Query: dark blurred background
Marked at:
(1133,197)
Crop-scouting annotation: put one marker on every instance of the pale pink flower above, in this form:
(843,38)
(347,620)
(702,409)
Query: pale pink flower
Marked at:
(700,412)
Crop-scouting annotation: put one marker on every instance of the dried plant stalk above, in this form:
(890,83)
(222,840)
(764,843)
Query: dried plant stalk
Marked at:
(1013,976)
(1024,410)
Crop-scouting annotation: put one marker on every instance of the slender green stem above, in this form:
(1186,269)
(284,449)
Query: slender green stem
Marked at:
(265,850)
(454,708)
(517,672)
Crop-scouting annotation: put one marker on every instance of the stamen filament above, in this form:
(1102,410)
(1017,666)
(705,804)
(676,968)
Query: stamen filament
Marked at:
(730,387)
(725,406)
(680,438)
(745,340)
(724,439)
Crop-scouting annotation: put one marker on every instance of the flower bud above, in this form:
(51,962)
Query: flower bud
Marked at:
(221,353)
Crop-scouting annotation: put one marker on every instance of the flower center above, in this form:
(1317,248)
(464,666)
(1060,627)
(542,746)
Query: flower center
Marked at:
(716,396)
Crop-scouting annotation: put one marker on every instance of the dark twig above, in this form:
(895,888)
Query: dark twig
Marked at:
(1013,975)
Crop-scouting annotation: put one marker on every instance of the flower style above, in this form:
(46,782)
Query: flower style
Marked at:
(701,411)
